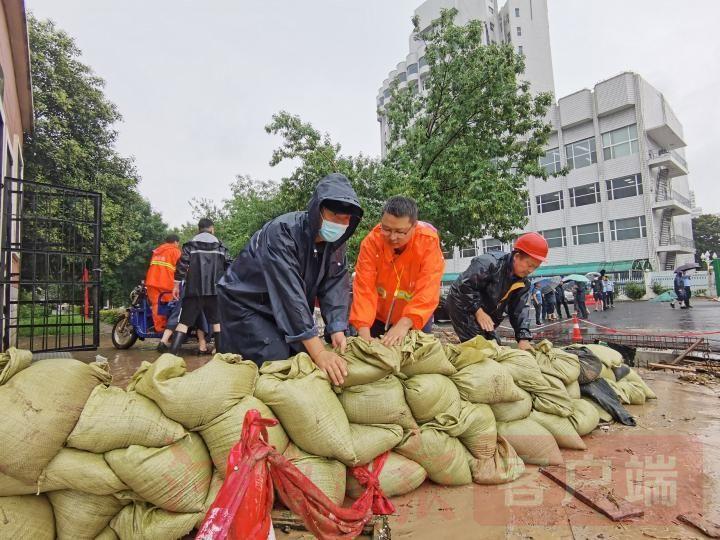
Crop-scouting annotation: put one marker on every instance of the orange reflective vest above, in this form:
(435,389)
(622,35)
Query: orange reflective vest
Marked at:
(161,273)
(415,274)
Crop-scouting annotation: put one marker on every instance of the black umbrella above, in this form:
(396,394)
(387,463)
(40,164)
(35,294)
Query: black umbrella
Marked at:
(688,266)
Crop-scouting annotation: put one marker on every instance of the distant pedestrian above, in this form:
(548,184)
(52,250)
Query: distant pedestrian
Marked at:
(560,301)
(550,302)
(687,282)
(598,293)
(536,297)
(679,286)
(580,307)
(609,292)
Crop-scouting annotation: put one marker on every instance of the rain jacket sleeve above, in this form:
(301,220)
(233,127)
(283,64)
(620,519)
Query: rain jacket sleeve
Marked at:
(334,294)
(365,295)
(277,253)
(473,280)
(519,314)
(183,263)
(427,288)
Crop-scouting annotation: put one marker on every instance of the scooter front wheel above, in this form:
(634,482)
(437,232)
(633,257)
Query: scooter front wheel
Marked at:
(123,334)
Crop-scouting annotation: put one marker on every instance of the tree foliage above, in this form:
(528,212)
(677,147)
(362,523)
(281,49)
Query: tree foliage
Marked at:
(706,231)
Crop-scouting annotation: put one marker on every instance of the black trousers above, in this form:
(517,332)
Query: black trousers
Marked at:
(688,294)
(580,306)
(561,303)
(464,323)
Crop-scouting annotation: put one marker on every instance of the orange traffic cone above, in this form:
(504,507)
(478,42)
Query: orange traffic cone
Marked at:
(576,334)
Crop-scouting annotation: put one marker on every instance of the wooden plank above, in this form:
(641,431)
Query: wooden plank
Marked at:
(667,366)
(686,352)
(595,497)
(696,519)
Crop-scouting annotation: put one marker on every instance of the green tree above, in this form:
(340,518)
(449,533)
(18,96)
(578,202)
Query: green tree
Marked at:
(465,145)
(706,231)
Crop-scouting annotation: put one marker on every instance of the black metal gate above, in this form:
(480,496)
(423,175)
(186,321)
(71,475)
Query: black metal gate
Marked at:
(50,267)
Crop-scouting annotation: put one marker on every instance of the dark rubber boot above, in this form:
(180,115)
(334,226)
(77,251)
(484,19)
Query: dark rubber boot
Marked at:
(176,343)
(217,336)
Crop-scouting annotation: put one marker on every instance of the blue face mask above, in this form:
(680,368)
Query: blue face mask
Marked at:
(332,232)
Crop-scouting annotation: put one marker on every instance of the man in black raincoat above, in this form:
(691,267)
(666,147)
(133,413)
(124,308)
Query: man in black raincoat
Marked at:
(268,294)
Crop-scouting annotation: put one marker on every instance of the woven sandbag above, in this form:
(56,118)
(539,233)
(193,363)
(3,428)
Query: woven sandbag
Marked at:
(301,397)
(502,467)
(380,402)
(532,442)
(327,474)
(10,486)
(486,381)
(215,485)
(142,521)
(175,478)
(621,391)
(472,351)
(371,440)
(81,471)
(560,428)
(607,373)
(452,351)
(474,426)
(634,377)
(369,361)
(603,415)
(444,458)
(222,433)
(633,390)
(573,390)
(590,365)
(585,416)
(399,476)
(430,395)
(107,533)
(40,405)
(113,418)
(423,353)
(28,517)
(513,410)
(609,357)
(557,362)
(195,398)
(12,362)
(81,516)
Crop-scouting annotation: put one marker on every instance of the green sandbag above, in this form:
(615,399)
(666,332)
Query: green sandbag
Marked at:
(175,478)
(474,426)
(26,517)
(607,373)
(107,534)
(371,440)
(573,390)
(40,405)
(504,466)
(452,351)
(603,415)
(81,471)
(527,375)
(561,428)
(327,474)
(423,353)
(195,398)
(221,434)
(113,418)
(215,485)
(609,357)
(380,402)
(557,362)
(445,459)
(586,416)
(633,390)
(399,476)
(13,361)
(621,392)
(513,410)
(142,521)
(369,361)
(634,377)
(431,395)
(476,350)
(301,397)
(10,486)
(82,516)
(532,442)
(487,382)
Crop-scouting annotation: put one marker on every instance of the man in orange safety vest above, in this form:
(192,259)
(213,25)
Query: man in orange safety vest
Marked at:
(160,278)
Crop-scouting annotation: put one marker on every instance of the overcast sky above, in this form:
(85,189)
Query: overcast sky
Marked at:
(196,82)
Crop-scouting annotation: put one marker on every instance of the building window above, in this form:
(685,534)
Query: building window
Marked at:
(412,69)
(423,78)
(519,31)
(491,10)
(386,93)
(628,229)
(581,153)
(551,160)
(527,206)
(592,233)
(550,202)
(584,195)
(413,85)
(492,27)
(555,237)
(422,62)
(627,186)
(507,37)
(490,245)
(468,251)
(402,77)
(620,142)
(517,12)
(520,49)
(448,255)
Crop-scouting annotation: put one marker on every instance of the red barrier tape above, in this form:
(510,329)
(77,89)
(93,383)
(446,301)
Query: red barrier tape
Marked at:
(630,332)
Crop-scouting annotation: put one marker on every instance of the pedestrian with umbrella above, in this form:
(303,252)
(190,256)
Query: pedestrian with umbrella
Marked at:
(598,293)
(682,283)
(560,300)
(580,290)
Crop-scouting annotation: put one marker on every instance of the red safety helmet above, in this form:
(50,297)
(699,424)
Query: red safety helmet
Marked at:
(533,244)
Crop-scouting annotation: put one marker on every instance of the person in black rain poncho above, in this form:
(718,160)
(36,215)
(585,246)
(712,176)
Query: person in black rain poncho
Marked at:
(268,294)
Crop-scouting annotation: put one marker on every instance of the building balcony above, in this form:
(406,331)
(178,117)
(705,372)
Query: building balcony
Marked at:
(670,160)
(677,244)
(672,200)
(668,131)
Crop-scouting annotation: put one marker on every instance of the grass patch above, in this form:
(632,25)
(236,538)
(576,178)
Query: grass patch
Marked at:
(53,325)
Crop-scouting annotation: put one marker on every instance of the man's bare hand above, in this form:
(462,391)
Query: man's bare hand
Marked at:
(524,345)
(484,320)
(333,365)
(364,333)
(397,333)
(339,341)
(176,291)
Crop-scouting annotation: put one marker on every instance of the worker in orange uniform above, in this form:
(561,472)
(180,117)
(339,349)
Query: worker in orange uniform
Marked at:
(160,278)
(398,274)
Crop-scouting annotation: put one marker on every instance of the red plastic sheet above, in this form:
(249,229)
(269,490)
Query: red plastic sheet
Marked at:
(241,510)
